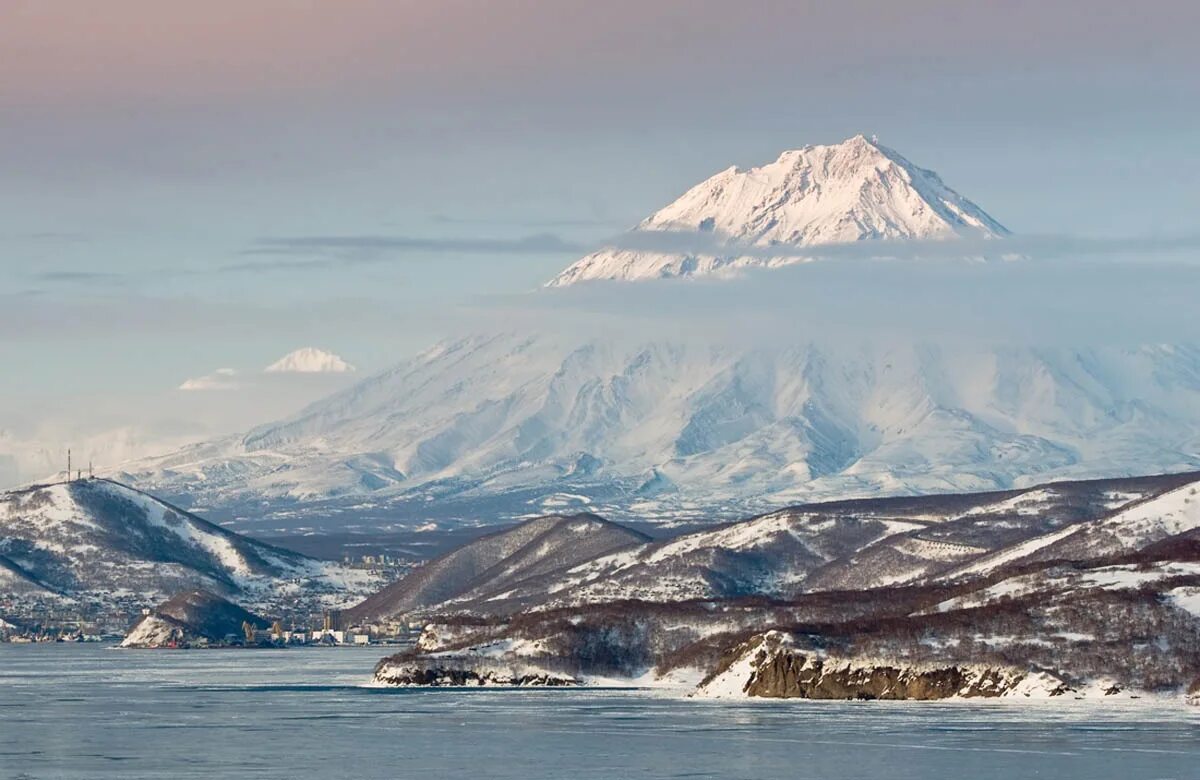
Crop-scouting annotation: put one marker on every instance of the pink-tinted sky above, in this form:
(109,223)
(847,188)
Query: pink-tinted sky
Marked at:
(77,52)
(148,146)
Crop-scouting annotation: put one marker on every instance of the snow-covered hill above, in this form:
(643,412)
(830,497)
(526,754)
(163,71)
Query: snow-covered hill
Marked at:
(98,544)
(502,561)
(853,191)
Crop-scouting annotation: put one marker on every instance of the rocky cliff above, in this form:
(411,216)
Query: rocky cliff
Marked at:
(768,666)
(776,665)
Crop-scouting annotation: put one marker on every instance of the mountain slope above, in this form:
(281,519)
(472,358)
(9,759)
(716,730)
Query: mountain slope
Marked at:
(860,545)
(853,191)
(1131,528)
(511,425)
(488,565)
(101,544)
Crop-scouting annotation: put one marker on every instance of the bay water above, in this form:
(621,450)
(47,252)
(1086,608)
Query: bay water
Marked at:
(89,711)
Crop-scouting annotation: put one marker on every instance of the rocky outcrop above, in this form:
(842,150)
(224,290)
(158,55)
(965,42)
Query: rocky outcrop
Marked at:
(1193,693)
(446,671)
(194,619)
(441,676)
(788,676)
(769,666)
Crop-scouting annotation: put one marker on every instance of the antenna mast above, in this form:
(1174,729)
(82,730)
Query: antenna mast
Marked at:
(68,464)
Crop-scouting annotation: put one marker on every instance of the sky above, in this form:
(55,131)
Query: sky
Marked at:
(204,186)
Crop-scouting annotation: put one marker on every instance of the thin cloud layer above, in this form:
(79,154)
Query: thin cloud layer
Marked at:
(1064,300)
(221,379)
(1014,247)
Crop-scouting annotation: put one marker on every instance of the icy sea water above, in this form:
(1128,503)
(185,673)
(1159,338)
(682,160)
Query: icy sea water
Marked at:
(84,711)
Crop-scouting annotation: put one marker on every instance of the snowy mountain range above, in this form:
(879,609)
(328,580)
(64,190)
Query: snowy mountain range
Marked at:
(516,424)
(853,545)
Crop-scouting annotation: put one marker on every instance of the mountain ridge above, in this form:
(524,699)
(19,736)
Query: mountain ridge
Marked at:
(824,547)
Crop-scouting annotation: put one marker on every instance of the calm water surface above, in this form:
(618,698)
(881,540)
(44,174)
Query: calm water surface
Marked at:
(84,711)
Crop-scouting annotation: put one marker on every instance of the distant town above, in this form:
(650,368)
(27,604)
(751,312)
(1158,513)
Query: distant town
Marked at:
(51,623)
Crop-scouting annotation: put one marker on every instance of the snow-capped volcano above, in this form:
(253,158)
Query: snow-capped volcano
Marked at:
(309,360)
(853,191)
